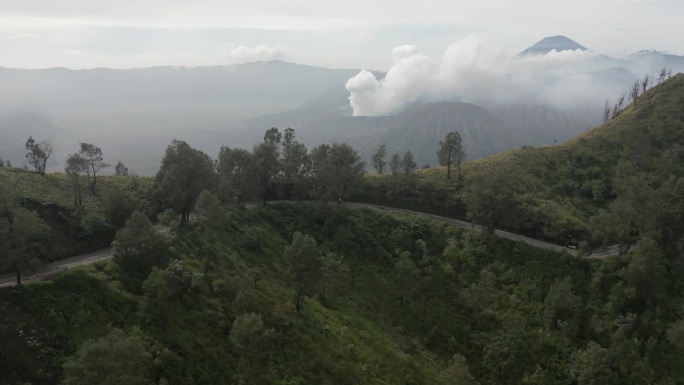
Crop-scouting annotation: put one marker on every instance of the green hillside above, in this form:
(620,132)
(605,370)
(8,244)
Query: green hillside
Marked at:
(73,229)
(206,288)
(571,190)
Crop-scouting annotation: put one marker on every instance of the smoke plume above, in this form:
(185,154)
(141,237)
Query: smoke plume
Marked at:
(472,70)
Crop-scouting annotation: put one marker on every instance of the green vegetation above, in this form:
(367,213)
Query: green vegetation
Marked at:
(368,298)
(316,293)
(595,187)
(73,228)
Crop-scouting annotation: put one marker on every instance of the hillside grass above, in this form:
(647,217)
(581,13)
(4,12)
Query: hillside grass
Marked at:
(559,190)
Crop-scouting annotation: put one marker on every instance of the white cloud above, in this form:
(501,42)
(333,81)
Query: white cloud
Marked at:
(244,54)
(472,70)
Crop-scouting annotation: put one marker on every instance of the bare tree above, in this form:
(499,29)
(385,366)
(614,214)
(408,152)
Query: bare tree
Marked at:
(663,75)
(38,154)
(634,92)
(645,84)
(618,106)
(606,111)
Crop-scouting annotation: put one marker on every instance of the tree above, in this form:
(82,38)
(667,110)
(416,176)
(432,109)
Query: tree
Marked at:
(120,169)
(457,373)
(645,83)
(634,92)
(236,170)
(255,345)
(334,273)
(38,154)
(138,246)
(395,164)
(23,236)
(164,288)
(209,211)
(183,174)
(273,136)
(560,303)
(94,162)
(408,164)
(115,359)
(450,152)
(335,170)
(118,206)
(663,75)
(267,162)
(296,164)
(303,256)
(490,198)
(378,159)
(593,365)
(75,165)
(606,112)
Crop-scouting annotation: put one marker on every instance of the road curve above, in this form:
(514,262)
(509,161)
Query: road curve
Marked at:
(599,253)
(57,266)
(106,253)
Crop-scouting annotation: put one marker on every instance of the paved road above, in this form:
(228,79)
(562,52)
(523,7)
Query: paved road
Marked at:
(600,253)
(57,266)
(106,253)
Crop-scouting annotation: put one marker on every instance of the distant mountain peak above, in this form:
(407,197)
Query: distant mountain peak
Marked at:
(551,43)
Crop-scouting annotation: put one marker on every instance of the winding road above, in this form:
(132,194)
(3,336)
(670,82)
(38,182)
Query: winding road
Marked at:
(57,266)
(599,253)
(106,253)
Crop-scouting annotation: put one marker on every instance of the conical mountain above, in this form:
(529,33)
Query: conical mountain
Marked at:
(551,43)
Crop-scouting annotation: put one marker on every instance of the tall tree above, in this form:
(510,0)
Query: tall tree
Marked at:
(183,174)
(267,162)
(408,164)
(335,170)
(645,83)
(23,236)
(378,159)
(303,256)
(451,152)
(94,162)
(38,154)
(395,164)
(236,170)
(138,247)
(296,164)
(75,166)
(273,136)
(634,92)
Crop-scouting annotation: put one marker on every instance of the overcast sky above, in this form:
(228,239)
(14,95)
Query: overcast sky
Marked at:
(344,34)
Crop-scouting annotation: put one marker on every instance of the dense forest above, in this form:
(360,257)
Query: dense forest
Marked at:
(210,285)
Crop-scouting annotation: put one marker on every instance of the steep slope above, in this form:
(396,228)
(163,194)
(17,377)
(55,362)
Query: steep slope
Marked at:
(610,184)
